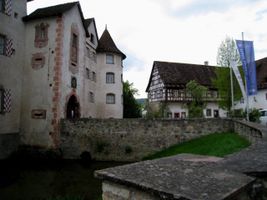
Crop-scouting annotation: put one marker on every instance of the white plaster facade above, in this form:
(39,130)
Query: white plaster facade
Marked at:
(258,101)
(109,110)
(41,74)
(180,110)
(12,28)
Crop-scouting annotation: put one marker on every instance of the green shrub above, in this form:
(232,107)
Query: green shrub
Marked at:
(128,149)
(101,146)
(254,115)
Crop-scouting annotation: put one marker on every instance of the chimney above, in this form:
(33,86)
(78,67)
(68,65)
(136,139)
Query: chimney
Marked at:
(206,63)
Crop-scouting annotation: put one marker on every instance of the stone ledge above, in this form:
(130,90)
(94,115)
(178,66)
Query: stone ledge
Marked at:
(180,177)
(250,160)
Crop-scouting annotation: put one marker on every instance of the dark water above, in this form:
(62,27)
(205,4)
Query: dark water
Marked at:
(60,181)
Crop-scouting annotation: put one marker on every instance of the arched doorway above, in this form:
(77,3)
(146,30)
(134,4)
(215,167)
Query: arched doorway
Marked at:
(73,108)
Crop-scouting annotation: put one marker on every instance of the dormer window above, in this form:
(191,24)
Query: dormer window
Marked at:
(110,59)
(92,38)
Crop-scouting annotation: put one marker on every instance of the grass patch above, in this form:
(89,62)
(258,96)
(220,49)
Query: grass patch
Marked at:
(218,144)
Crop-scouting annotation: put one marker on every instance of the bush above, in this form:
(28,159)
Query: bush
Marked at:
(101,147)
(254,115)
(128,149)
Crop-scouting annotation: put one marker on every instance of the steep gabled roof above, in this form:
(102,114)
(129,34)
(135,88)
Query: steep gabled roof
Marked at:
(87,23)
(179,74)
(106,44)
(261,69)
(54,11)
(49,11)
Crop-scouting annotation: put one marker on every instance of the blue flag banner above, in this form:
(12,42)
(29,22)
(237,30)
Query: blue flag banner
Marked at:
(246,52)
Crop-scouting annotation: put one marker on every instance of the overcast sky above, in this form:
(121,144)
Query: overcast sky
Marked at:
(187,31)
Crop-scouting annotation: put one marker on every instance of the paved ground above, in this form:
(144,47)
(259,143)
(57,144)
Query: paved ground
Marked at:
(180,177)
(188,176)
(250,160)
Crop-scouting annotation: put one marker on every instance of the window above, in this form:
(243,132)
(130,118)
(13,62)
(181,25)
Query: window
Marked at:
(94,56)
(2,45)
(87,73)
(94,76)
(208,112)
(91,97)
(177,115)
(92,38)
(183,115)
(110,98)
(169,114)
(2,5)
(41,35)
(216,113)
(110,77)
(74,49)
(73,82)
(109,59)
(87,52)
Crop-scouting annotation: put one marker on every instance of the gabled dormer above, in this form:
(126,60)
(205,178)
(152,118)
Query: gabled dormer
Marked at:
(92,38)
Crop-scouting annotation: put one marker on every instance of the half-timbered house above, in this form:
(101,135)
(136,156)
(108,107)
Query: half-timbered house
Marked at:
(167,84)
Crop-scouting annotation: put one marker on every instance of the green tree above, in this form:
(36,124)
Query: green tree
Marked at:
(227,52)
(131,108)
(197,92)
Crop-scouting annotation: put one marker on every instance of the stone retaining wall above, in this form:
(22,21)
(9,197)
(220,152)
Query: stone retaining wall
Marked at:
(132,139)
(254,132)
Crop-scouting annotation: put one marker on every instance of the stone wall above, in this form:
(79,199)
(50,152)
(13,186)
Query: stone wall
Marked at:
(113,191)
(8,144)
(131,139)
(254,132)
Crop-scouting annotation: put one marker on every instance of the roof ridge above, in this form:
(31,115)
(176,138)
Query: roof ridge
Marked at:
(182,63)
(50,11)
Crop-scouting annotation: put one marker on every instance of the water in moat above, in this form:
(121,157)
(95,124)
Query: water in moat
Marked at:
(60,181)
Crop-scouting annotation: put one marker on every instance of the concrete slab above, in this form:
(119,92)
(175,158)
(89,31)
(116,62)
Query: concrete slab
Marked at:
(184,176)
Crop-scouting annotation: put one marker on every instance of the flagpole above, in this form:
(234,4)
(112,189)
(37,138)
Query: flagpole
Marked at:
(247,98)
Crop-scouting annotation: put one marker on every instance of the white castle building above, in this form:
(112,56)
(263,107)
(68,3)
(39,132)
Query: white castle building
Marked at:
(54,66)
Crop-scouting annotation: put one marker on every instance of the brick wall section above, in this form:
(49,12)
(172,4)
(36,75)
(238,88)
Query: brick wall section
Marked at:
(132,139)
(56,82)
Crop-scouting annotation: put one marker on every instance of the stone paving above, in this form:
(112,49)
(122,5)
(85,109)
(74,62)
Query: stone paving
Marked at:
(250,160)
(180,177)
(194,177)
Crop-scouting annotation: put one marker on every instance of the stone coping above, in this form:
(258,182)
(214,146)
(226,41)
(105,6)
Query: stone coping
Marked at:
(250,160)
(184,176)
(256,126)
